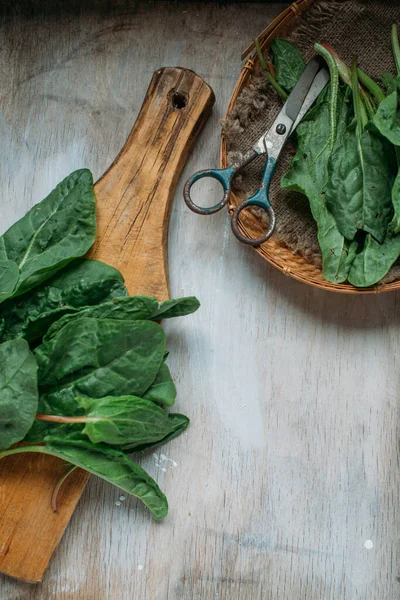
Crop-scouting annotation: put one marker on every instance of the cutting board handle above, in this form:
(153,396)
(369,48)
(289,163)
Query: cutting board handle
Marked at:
(134,200)
(135,195)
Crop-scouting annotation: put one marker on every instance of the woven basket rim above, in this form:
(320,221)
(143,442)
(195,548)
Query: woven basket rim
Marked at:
(277,254)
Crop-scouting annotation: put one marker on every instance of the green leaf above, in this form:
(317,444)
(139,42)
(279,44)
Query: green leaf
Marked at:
(82,283)
(18,391)
(9,276)
(308,175)
(396,204)
(178,424)
(105,462)
(162,390)
(390,83)
(375,260)
(52,233)
(131,308)
(124,420)
(360,182)
(387,119)
(97,358)
(288,61)
(179,307)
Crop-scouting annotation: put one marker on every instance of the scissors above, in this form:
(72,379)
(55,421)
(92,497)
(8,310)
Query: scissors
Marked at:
(312,81)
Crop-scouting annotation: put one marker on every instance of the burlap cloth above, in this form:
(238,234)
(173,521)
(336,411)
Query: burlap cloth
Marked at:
(353,28)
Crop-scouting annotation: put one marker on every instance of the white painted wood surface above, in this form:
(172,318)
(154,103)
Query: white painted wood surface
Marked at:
(291,462)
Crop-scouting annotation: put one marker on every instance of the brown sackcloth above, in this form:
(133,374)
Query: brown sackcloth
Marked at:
(353,28)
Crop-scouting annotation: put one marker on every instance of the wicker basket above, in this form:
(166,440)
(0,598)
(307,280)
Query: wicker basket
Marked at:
(276,253)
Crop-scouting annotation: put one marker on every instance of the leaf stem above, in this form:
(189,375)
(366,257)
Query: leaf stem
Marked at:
(334,73)
(62,419)
(359,108)
(371,86)
(342,68)
(371,108)
(20,449)
(58,487)
(345,76)
(267,74)
(396,48)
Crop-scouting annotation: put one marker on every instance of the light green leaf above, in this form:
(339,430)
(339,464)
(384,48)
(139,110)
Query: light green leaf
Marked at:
(124,420)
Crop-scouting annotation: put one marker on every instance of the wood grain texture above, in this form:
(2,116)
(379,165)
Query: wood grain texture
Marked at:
(134,197)
(134,200)
(291,461)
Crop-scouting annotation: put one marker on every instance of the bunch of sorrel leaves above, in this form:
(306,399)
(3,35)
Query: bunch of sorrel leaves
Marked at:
(82,365)
(347,162)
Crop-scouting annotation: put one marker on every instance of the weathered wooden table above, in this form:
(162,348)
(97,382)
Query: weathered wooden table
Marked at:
(287,482)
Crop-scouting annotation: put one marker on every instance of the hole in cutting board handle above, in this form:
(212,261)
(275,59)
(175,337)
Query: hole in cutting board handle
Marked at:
(178,99)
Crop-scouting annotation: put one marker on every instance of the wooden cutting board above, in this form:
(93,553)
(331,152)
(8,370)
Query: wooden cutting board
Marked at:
(134,200)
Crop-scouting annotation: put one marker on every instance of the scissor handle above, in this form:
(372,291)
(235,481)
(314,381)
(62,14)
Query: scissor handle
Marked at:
(261,200)
(224,176)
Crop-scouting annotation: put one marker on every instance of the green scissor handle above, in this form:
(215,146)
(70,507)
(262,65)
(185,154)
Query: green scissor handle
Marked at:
(260,200)
(225,176)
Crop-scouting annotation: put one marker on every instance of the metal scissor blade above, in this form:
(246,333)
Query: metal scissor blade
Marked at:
(317,86)
(297,97)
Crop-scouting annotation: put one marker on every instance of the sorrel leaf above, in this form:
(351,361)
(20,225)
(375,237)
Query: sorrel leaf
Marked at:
(18,391)
(82,283)
(52,233)
(124,420)
(105,462)
(288,61)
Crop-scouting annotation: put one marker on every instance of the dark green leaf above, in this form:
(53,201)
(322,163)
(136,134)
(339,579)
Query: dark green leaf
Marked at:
(360,182)
(179,307)
(52,233)
(309,175)
(390,83)
(162,390)
(18,391)
(387,119)
(105,462)
(288,61)
(396,204)
(375,260)
(9,276)
(82,283)
(40,429)
(178,424)
(96,358)
(124,420)
(131,308)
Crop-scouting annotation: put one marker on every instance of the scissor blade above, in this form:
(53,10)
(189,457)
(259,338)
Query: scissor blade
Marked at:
(297,97)
(318,85)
